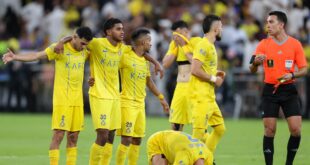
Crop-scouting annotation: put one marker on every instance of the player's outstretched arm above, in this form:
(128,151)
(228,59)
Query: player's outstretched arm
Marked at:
(197,71)
(151,85)
(158,68)
(25,57)
(59,48)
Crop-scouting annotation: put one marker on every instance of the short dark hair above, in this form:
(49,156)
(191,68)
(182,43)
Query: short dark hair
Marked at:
(84,32)
(207,22)
(179,24)
(281,16)
(109,24)
(139,33)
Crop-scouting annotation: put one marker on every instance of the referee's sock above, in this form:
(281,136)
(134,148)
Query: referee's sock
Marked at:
(292,147)
(268,149)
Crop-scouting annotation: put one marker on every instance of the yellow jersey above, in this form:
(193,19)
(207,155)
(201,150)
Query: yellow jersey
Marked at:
(180,54)
(205,52)
(134,71)
(69,75)
(170,142)
(104,65)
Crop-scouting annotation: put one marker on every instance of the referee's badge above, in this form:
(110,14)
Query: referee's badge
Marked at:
(270,63)
(288,64)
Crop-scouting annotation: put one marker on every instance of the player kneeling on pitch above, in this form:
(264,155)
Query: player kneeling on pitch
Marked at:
(68,108)
(174,147)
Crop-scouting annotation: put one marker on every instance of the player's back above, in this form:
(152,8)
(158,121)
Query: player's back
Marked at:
(173,142)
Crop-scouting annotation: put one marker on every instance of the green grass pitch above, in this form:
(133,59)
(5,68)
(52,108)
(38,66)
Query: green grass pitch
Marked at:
(25,138)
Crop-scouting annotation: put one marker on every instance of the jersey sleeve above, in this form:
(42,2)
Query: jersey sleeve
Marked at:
(260,49)
(173,49)
(92,44)
(300,56)
(200,53)
(51,55)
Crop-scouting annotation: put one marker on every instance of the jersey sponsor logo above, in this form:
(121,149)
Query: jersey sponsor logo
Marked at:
(134,75)
(74,65)
(279,52)
(109,63)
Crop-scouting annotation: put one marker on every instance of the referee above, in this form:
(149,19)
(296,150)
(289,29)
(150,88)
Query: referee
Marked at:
(279,54)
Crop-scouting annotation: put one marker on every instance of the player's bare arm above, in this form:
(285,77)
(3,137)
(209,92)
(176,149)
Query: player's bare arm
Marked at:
(59,48)
(158,68)
(24,57)
(151,85)
(198,72)
(168,60)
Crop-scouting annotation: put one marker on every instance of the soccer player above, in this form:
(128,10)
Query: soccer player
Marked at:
(104,95)
(68,111)
(180,50)
(135,76)
(205,77)
(279,54)
(175,147)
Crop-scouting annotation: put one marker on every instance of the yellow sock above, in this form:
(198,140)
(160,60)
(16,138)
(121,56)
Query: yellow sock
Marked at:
(215,137)
(95,154)
(121,154)
(71,156)
(198,133)
(54,157)
(107,154)
(133,154)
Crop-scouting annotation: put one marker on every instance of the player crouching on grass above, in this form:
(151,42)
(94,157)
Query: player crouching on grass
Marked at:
(68,111)
(175,147)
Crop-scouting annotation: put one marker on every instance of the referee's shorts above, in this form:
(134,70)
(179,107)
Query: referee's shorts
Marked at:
(285,96)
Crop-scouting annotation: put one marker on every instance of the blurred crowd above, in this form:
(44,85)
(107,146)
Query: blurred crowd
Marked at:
(32,25)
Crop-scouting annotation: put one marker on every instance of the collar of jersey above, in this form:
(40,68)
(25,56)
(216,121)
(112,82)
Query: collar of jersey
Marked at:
(70,47)
(112,47)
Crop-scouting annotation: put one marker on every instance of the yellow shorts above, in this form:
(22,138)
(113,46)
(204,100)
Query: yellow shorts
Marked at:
(206,113)
(133,121)
(68,118)
(180,112)
(106,113)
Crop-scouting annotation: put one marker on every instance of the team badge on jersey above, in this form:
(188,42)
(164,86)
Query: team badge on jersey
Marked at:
(270,63)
